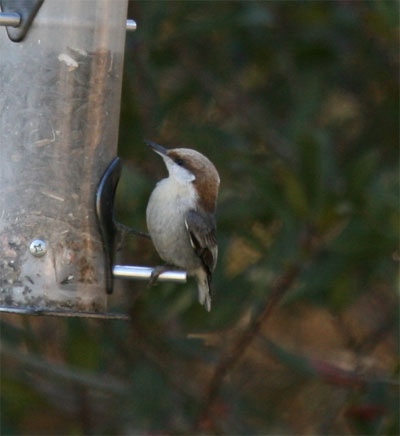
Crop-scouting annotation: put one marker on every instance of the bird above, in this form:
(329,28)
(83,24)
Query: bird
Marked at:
(181,219)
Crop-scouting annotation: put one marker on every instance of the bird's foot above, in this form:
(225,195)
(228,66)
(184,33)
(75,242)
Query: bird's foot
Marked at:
(156,273)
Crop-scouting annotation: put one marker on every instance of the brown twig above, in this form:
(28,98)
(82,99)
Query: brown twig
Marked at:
(232,357)
(368,344)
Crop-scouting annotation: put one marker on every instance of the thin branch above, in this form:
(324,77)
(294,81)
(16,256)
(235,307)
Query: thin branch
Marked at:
(368,344)
(239,347)
(72,375)
(129,230)
(124,230)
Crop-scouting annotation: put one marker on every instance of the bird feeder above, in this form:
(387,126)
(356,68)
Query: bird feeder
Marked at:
(61,73)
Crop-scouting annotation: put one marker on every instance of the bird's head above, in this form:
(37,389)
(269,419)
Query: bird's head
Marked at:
(189,166)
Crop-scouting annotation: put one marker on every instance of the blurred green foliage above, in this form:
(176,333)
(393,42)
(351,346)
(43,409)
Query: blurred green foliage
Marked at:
(297,105)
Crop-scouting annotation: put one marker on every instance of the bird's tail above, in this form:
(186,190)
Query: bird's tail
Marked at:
(203,285)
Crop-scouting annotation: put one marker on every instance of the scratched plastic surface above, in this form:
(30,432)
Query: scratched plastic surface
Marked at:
(59,116)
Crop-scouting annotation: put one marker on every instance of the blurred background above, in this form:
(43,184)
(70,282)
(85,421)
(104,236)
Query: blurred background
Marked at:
(296,103)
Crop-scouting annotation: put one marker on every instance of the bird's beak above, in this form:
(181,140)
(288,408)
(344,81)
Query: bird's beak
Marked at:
(157,148)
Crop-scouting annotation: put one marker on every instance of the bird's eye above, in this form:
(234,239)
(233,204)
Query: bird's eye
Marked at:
(179,161)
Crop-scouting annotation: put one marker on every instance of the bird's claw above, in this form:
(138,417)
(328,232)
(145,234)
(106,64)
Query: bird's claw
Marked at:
(156,274)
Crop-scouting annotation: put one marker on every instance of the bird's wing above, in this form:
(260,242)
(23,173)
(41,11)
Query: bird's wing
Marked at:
(203,237)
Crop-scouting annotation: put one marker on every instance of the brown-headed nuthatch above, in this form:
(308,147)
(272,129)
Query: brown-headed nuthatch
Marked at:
(181,215)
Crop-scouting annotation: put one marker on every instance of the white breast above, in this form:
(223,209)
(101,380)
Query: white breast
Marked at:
(166,210)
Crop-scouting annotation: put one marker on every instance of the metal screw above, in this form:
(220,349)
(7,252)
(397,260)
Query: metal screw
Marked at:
(38,248)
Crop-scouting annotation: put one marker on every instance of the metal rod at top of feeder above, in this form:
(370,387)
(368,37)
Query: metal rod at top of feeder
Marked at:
(10,19)
(14,20)
(131,25)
